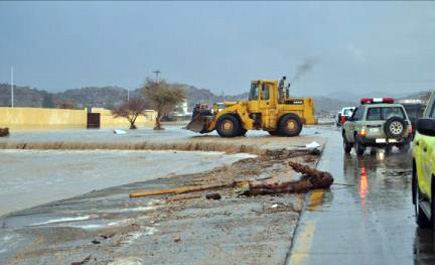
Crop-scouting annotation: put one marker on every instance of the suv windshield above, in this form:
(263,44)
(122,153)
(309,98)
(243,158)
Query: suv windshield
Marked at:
(358,114)
(347,112)
(384,113)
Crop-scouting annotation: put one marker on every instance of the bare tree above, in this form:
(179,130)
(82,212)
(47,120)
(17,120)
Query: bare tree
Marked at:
(131,110)
(163,98)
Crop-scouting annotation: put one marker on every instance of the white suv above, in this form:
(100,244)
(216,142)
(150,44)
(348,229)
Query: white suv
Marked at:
(377,122)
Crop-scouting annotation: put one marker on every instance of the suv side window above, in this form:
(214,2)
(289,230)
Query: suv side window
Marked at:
(358,114)
(392,112)
(374,114)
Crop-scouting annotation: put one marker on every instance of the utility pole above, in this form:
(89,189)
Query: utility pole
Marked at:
(128,94)
(12,86)
(157,72)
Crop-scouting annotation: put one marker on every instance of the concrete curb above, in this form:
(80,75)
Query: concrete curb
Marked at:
(296,231)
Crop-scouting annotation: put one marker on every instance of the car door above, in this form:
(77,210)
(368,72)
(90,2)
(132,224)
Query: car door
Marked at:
(354,124)
(427,149)
(424,153)
(267,106)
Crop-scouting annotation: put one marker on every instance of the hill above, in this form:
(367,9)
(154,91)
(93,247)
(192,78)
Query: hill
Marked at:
(111,96)
(23,96)
(99,97)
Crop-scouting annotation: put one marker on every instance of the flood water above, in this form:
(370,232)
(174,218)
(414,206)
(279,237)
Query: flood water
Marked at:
(32,177)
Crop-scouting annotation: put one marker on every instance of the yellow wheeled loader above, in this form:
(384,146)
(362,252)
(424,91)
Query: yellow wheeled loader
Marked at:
(265,110)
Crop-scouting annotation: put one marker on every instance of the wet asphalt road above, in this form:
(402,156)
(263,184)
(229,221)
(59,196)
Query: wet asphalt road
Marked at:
(367,217)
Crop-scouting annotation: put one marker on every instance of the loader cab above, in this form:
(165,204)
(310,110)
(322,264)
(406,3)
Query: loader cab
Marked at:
(263,100)
(263,95)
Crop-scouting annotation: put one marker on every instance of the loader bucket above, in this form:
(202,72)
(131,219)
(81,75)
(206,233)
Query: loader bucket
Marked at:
(199,123)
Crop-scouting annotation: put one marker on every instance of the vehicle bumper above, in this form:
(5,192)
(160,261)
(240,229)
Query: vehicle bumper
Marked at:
(381,141)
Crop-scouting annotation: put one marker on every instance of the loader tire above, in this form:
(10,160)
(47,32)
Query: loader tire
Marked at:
(274,133)
(290,125)
(229,126)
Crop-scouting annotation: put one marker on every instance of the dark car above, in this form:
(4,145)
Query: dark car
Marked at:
(415,112)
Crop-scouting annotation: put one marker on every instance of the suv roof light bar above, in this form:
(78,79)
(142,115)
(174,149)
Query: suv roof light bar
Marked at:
(387,100)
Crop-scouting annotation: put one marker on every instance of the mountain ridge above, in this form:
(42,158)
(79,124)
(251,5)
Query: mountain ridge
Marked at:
(112,96)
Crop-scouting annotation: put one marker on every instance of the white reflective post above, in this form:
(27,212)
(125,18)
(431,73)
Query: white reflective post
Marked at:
(12,87)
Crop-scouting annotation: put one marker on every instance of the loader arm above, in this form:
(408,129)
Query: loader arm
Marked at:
(241,112)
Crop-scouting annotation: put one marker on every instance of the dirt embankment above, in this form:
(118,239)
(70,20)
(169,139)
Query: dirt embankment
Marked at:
(146,145)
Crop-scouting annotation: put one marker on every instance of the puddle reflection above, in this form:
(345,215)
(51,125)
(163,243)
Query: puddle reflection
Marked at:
(377,180)
(363,188)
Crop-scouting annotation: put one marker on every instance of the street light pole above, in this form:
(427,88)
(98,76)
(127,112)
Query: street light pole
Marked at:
(12,86)
(157,72)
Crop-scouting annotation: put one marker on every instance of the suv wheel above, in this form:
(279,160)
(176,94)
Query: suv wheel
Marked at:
(420,218)
(359,147)
(395,127)
(346,145)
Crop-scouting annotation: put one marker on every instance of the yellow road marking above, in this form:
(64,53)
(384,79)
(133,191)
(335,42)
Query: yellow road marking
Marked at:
(304,241)
(314,200)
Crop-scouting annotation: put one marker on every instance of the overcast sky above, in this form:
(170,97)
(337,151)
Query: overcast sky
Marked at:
(366,46)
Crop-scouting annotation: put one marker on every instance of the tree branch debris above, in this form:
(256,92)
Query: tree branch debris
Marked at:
(311,179)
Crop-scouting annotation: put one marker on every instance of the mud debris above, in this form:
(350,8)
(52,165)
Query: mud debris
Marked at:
(213,196)
(4,132)
(84,261)
(312,179)
(107,236)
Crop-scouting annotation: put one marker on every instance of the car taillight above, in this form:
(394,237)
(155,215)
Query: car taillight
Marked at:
(343,119)
(362,132)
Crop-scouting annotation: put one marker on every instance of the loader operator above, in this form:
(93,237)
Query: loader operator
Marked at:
(196,110)
(281,86)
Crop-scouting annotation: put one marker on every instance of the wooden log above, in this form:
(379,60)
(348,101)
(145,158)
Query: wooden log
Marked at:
(181,190)
(312,179)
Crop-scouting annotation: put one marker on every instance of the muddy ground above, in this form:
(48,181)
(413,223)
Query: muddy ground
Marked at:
(107,227)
